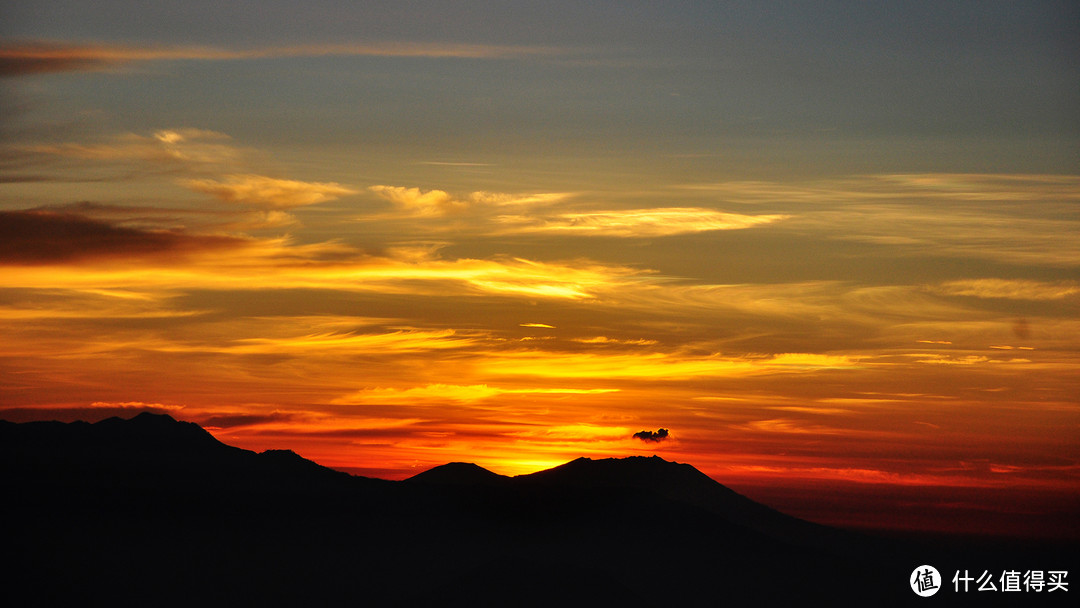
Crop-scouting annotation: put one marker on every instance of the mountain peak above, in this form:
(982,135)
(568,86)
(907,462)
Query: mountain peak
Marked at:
(457,473)
(153,429)
(145,417)
(631,471)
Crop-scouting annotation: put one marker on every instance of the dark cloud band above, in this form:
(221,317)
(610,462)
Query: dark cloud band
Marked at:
(45,237)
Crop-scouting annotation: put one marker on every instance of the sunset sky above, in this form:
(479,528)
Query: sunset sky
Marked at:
(832,247)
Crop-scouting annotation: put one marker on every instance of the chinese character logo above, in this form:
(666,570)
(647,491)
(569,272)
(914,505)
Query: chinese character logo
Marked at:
(925,581)
(1012,581)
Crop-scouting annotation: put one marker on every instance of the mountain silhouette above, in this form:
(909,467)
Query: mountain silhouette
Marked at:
(684,484)
(458,473)
(156,511)
(150,450)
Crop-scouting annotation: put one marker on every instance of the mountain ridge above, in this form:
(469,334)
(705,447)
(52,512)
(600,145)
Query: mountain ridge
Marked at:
(277,528)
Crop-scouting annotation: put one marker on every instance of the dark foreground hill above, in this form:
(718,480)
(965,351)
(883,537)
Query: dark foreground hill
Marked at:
(152,511)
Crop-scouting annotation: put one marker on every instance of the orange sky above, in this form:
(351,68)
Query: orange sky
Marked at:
(432,248)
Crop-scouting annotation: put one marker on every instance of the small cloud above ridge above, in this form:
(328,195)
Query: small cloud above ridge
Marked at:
(652,436)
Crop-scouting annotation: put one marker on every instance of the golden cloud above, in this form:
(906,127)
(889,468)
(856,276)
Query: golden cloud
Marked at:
(260,190)
(439,202)
(453,392)
(279,264)
(664,221)
(661,221)
(655,365)
(1011,289)
(615,341)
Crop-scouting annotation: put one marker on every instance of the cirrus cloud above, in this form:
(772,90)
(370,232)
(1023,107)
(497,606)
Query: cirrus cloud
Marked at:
(28,57)
(1010,289)
(455,393)
(662,221)
(439,202)
(260,190)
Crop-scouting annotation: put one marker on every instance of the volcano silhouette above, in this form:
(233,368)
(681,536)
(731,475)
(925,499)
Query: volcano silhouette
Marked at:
(156,511)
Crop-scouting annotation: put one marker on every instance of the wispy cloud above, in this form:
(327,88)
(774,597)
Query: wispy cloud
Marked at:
(536,213)
(187,146)
(439,202)
(21,58)
(134,405)
(604,340)
(652,366)
(92,304)
(201,161)
(662,221)
(38,238)
(1014,218)
(260,190)
(1012,289)
(975,187)
(455,393)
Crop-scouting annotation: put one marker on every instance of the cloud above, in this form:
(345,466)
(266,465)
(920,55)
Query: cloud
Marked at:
(260,190)
(787,425)
(663,221)
(28,57)
(430,202)
(136,405)
(89,304)
(934,359)
(974,187)
(42,237)
(194,152)
(492,206)
(213,165)
(433,203)
(215,219)
(186,144)
(1011,289)
(455,393)
(652,436)
(230,421)
(654,366)
(260,220)
(90,413)
(1014,218)
(43,57)
(575,433)
(615,341)
(276,263)
(390,342)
